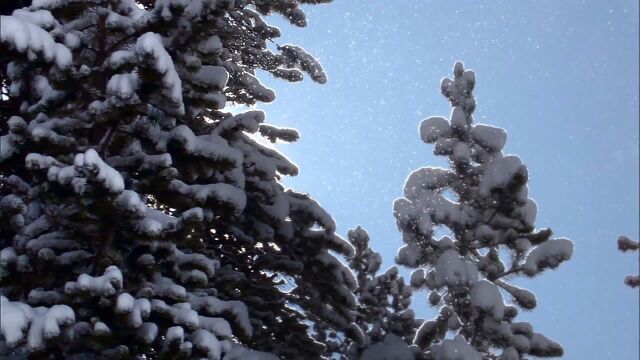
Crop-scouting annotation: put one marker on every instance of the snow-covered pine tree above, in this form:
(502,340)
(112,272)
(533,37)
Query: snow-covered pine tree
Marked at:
(385,323)
(481,202)
(137,216)
(625,244)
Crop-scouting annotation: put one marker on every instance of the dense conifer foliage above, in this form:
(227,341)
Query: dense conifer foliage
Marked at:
(138,216)
(481,207)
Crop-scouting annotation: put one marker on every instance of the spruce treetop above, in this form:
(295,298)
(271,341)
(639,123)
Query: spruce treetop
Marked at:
(482,206)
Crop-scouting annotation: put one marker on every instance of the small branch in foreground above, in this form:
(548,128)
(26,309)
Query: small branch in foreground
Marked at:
(625,244)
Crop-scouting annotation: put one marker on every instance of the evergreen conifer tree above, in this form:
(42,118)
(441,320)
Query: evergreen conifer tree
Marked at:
(385,322)
(138,217)
(481,202)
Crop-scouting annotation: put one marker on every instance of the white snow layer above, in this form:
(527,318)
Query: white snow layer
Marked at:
(136,309)
(214,77)
(429,178)
(210,146)
(101,171)
(208,343)
(221,192)
(123,85)
(28,38)
(41,323)
(103,286)
(175,334)
(149,45)
(525,298)
(456,349)
(500,172)
(489,137)
(41,18)
(486,296)
(212,45)
(257,89)
(409,255)
(548,255)
(433,129)
(124,303)
(451,270)
(215,306)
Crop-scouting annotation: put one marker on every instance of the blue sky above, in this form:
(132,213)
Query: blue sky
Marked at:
(560,76)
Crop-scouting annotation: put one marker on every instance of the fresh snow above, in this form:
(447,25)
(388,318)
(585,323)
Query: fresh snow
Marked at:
(149,46)
(456,349)
(101,286)
(28,38)
(548,255)
(486,296)
(489,137)
(482,202)
(433,129)
(42,323)
(501,172)
(451,270)
(101,171)
(214,77)
(123,85)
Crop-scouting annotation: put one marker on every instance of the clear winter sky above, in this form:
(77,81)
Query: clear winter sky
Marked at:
(560,76)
